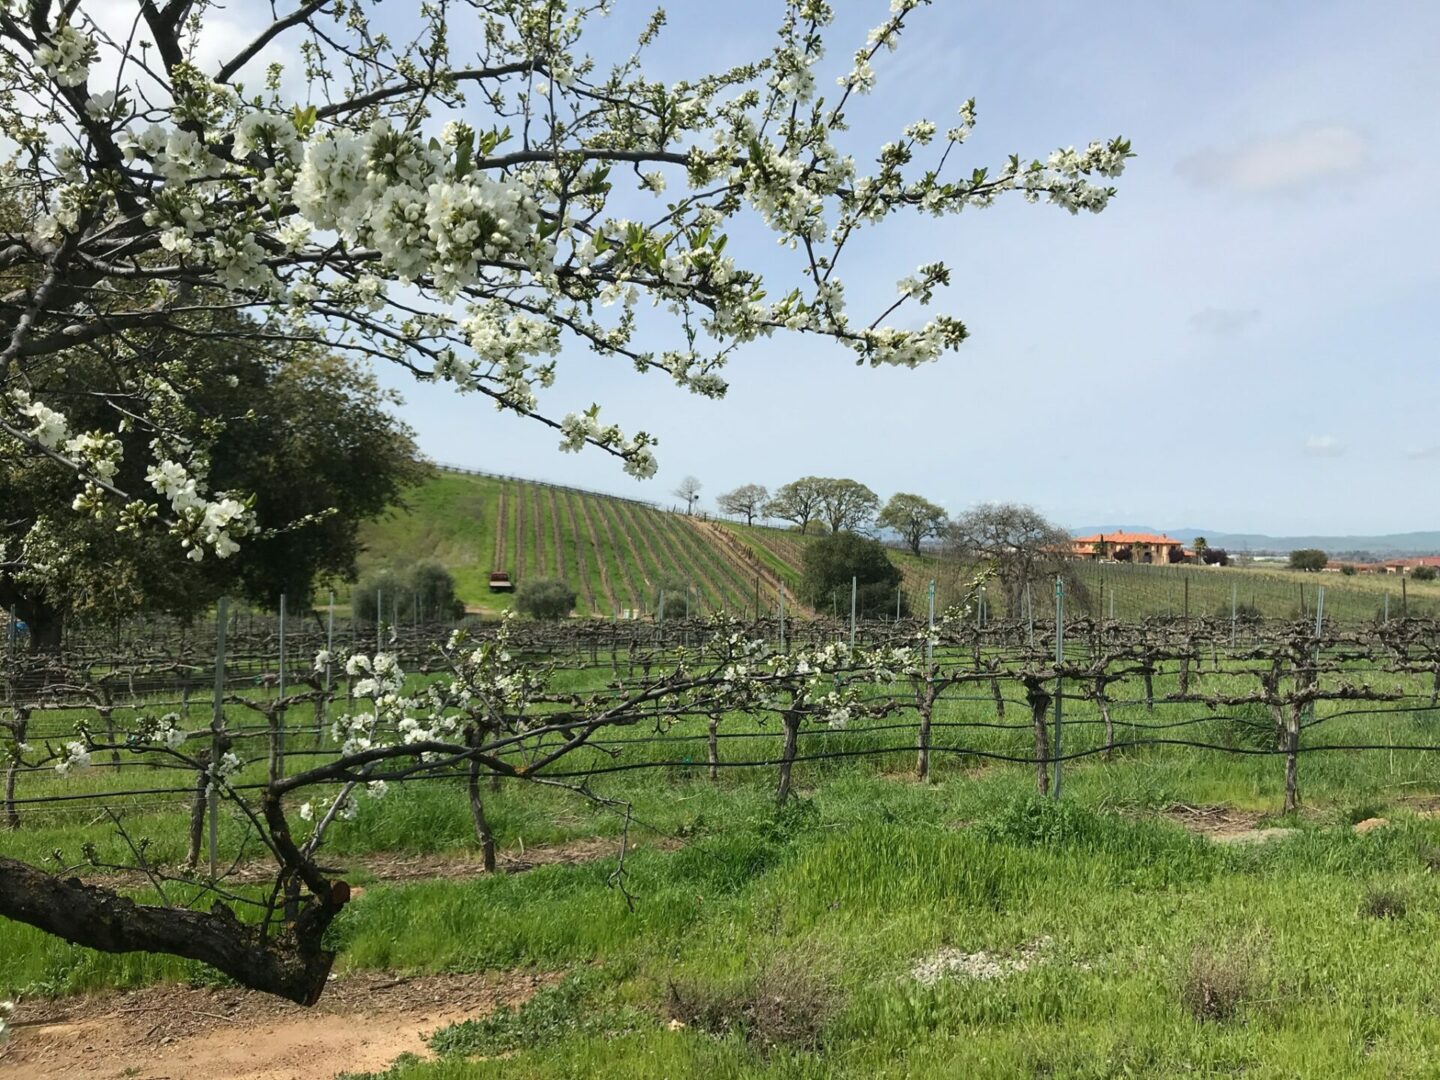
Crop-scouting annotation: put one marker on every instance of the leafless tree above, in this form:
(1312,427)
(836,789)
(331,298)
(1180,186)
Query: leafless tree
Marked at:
(1024,548)
(689,490)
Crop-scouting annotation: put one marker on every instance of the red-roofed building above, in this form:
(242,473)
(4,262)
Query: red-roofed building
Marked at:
(1130,547)
(1404,566)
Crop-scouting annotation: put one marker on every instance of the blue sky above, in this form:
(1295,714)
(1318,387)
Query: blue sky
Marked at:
(1241,342)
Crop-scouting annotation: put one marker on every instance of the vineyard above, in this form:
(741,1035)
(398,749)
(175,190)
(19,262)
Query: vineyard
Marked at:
(928,823)
(617,554)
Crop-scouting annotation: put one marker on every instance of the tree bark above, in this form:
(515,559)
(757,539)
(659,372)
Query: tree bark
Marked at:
(790,720)
(926,703)
(1039,705)
(290,964)
(1292,757)
(483,833)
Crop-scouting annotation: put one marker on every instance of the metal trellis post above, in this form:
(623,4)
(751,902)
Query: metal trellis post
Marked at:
(1059,678)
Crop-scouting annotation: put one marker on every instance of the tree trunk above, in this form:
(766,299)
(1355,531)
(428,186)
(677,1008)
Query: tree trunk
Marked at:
(198,806)
(1039,705)
(790,720)
(483,834)
(1292,758)
(1104,703)
(290,964)
(922,737)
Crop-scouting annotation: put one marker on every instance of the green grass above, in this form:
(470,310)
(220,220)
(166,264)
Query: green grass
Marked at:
(866,874)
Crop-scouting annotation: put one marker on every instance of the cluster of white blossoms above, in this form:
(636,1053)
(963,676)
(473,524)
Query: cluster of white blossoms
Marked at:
(50,428)
(579,428)
(221,771)
(75,758)
(66,57)
(391,191)
(203,524)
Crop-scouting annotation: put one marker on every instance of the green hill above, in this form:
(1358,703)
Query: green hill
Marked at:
(617,554)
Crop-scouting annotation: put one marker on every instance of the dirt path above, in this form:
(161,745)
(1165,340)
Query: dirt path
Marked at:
(363,1023)
(391,867)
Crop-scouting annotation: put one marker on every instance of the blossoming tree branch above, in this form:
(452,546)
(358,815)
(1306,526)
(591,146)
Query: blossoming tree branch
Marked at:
(467,212)
(459,215)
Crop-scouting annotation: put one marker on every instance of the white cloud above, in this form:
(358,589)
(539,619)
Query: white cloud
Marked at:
(1424,453)
(1324,446)
(1223,322)
(1284,164)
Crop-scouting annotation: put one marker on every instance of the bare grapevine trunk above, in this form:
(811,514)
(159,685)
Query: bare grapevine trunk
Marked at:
(712,747)
(1039,706)
(1104,703)
(790,720)
(1292,757)
(926,702)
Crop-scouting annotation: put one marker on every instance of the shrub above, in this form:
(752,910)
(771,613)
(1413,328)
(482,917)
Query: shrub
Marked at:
(786,1005)
(1308,559)
(544,598)
(387,587)
(1347,570)
(1219,981)
(831,562)
(1424,573)
(426,589)
(1382,903)
(680,599)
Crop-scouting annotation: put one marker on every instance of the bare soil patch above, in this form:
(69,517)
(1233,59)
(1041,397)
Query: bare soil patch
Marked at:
(363,1023)
(1225,824)
(400,867)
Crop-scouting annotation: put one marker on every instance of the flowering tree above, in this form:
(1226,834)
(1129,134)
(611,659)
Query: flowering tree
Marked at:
(490,711)
(459,215)
(463,210)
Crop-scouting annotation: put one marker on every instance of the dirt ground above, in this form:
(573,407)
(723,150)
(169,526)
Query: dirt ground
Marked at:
(363,1023)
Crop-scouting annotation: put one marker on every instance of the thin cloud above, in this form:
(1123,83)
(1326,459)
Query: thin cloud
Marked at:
(1323,446)
(1223,322)
(1424,453)
(1287,164)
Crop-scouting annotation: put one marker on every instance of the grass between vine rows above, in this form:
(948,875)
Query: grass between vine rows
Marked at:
(785,943)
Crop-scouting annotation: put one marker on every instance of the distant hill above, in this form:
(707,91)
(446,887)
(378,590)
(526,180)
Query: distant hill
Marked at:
(618,554)
(1388,544)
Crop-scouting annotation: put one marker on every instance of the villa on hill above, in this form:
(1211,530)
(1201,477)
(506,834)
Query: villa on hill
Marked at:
(1131,547)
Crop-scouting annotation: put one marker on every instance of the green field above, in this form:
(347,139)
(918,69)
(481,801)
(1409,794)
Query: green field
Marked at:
(880,927)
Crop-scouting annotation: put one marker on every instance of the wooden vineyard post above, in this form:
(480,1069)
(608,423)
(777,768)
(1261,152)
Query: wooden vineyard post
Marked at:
(218,741)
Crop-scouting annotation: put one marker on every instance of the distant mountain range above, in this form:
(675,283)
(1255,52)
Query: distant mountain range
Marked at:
(1390,544)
